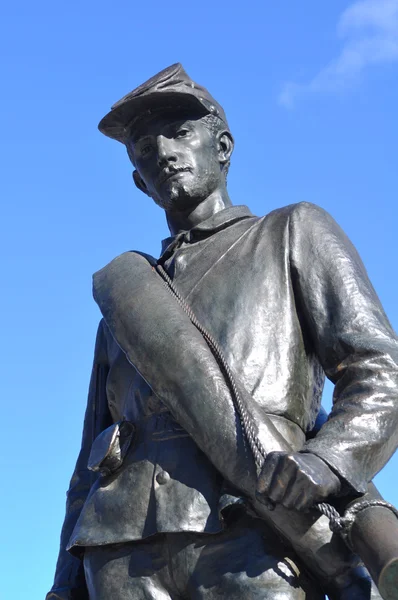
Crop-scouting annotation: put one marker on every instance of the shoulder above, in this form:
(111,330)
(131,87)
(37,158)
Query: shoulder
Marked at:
(307,214)
(130,256)
(304,220)
(299,211)
(306,232)
(296,220)
(310,224)
(126,265)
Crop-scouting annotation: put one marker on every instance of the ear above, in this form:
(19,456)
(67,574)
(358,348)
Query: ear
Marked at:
(225,146)
(139,182)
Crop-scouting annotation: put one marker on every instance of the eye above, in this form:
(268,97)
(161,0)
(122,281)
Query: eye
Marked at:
(182,133)
(145,150)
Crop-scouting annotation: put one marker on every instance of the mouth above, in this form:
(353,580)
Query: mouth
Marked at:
(170,172)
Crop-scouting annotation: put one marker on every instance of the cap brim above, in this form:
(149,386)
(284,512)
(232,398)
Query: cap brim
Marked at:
(119,122)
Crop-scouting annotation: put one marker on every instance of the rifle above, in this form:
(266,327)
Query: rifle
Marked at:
(152,331)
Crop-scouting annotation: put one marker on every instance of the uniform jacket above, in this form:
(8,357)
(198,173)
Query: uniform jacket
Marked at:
(288,299)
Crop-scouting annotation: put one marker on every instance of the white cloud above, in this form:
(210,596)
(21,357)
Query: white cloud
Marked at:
(369,33)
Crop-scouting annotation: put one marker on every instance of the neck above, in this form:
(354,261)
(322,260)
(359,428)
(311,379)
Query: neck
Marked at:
(183,221)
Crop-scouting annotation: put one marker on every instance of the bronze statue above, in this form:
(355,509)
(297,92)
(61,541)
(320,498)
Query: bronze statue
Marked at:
(204,445)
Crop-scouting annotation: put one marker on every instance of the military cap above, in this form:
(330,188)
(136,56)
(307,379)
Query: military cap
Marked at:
(171,88)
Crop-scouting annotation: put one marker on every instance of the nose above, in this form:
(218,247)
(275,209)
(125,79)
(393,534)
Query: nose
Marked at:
(166,152)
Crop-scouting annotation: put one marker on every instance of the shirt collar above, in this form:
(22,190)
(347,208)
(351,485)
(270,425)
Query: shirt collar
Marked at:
(220,220)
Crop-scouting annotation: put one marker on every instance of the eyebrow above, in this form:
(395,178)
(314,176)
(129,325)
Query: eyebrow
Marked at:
(138,137)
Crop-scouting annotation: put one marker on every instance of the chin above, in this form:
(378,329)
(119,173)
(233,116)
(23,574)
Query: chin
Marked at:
(179,199)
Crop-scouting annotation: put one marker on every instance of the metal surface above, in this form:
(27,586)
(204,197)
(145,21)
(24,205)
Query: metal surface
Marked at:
(288,300)
(374,536)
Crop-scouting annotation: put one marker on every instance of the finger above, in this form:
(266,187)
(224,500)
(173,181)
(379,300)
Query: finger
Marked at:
(298,500)
(285,474)
(299,495)
(265,501)
(288,480)
(284,483)
(267,472)
(303,491)
(279,484)
(304,502)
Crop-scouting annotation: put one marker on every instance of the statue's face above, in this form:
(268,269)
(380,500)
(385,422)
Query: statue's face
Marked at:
(177,161)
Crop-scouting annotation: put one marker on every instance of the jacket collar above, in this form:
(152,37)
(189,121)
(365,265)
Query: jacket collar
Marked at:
(217,222)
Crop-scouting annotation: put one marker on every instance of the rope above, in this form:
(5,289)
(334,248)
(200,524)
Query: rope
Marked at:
(348,520)
(336,523)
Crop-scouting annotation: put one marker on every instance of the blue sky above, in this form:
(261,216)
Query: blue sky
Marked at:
(310,90)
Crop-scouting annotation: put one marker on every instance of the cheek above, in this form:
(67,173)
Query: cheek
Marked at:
(207,160)
(148,176)
(211,165)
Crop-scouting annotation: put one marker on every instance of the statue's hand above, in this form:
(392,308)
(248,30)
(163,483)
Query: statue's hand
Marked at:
(298,480)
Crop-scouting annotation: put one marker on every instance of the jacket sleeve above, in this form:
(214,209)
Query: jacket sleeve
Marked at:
(69,581)
(355,344)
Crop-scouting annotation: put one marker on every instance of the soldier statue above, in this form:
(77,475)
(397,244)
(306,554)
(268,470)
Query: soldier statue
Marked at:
(205,446)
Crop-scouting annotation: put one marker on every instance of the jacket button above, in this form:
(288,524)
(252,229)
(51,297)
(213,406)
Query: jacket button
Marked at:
(162,477)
